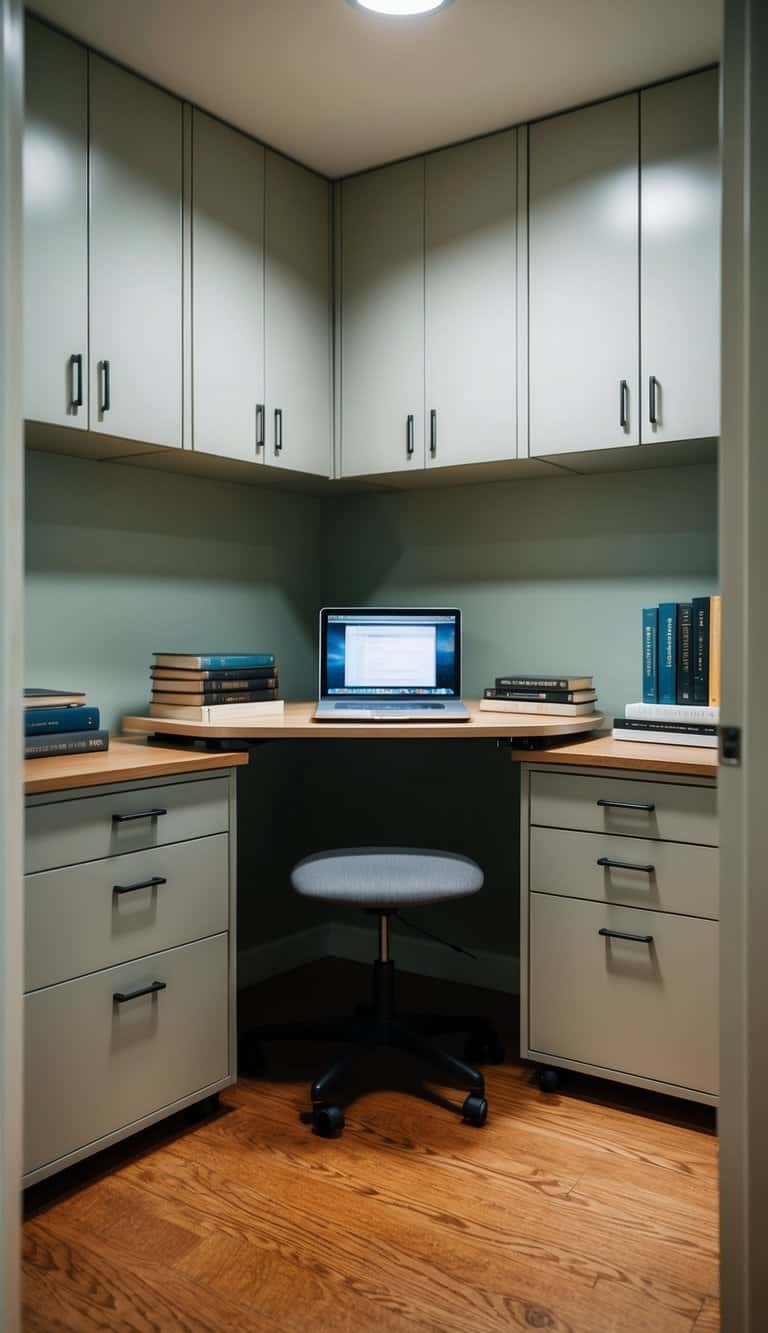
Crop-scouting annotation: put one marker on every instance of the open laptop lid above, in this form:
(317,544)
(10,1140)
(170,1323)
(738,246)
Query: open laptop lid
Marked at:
(398,653)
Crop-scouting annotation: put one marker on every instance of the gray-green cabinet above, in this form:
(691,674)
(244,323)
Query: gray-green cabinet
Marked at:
(680,259)
(227,291)
(382,320)
(297,312)
(471,302)
(583,237)
(55,277)
(135,293)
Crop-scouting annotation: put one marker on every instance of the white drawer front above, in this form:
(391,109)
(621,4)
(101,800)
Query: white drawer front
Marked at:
(664,876)
(76,921)
(638,809)
(637,1008)
(65,833)
(93,1065)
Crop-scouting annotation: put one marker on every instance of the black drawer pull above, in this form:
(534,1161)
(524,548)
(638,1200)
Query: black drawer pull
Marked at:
(627,805)
(141,814)
(120,996)
(624,935)
(624,865)
(142,884)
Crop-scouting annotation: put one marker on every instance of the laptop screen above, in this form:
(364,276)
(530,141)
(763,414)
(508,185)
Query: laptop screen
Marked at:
(391,653)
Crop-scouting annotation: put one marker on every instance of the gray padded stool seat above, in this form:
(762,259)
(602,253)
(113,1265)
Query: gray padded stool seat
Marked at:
(381,880)
(386,876)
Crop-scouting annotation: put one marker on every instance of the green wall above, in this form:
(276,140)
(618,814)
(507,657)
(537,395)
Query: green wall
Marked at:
(551,575)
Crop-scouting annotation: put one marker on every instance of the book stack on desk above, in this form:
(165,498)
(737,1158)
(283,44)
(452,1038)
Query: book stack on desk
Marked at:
(557,695)
(669,724)
(215,687)
(60,722)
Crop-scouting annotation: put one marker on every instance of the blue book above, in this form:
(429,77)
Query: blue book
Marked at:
(650,656)
(213,661)
(48,721)
(684,653)
(668,653)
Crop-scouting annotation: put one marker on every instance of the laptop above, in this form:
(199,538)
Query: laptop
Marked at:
(389,664)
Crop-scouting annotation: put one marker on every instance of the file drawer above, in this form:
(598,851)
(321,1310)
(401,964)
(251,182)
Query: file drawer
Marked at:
(95,915)
(647,1009)
(94,1065)
(671,811)
(665,876)
(65,833)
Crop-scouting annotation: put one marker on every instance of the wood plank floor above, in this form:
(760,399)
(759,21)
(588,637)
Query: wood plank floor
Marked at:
(590,1211)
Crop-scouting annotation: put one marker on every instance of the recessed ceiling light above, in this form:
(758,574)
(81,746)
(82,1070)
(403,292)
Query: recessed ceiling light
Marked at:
(401,8)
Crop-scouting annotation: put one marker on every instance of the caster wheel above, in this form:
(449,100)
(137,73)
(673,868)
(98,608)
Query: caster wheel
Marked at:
(549,1080)
(327,1121)
(250,1057)
(485,1050)
(475,1111)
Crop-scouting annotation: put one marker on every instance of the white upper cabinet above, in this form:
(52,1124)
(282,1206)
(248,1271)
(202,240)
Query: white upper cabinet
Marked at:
(229,412)
(135,257)
(583,279)
(680,259)
(298,317)
(471,302)
(382,320)
(55,280)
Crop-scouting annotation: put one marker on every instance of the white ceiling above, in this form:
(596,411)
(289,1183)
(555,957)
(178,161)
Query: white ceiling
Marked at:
(342,89)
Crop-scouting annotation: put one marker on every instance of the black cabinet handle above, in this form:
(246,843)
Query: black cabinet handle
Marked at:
(120,996)
(433,432)
(625,935)
(140,814)
(624,865)
(106,394)
(76,363)
(278,430)
(623,404)
(260,414)
(627,805)
(142,884)
(409,446)
(652,407)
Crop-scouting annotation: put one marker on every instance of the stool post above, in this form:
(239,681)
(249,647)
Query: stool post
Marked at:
(383,937)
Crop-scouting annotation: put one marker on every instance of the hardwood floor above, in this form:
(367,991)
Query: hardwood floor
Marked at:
(591,1211)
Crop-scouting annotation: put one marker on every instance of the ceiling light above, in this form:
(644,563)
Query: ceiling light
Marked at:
(402,8)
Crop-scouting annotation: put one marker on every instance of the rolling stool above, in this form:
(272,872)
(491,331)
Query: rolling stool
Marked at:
(381,880)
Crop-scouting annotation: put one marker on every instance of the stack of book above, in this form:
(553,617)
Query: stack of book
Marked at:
(681,676)
(561,696)
(214,687)
(60,722)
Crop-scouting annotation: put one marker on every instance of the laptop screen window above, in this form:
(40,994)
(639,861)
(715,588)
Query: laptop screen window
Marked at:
(408,655)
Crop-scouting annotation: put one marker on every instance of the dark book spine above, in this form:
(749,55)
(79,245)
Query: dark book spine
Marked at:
(193,700)
(668,653)
(680,728)
(532,683)
(48,721)
(226,674)
(534,696)
(214,688)
(684,656)
(65,742)
(650,656)
(700,637)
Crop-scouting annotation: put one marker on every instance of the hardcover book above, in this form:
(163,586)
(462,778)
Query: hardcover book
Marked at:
(673,713)
(544,682)
(50,720)
(210,661)
(553,710)
(679,728)
(542,696)
(218,712)
(667,653)
(225,678)
(187,700)
(65,742)
(650,662)
(52,698)
(684,658)
(622,733)
(700,637)
(714,650)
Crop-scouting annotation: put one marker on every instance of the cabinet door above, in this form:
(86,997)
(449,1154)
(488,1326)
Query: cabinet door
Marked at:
(583,279)
(471,301)
(382,330)
(55,279)
(136,257)
(227,291)
(298,317)
(680,259)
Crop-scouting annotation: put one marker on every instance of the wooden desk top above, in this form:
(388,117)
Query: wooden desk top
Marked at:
(126,760)
(604,752)
(297,724)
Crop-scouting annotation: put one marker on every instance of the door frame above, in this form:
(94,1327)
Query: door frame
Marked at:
(11,650)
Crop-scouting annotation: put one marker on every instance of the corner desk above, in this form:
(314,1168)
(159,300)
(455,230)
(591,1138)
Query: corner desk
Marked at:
(131,1017)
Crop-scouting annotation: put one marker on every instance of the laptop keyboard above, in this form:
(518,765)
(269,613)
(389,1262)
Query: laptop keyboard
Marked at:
(384,707)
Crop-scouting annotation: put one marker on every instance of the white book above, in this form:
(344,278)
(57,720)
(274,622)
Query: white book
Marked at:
(665,738)
(218,712)
(519,706)
(703,713)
